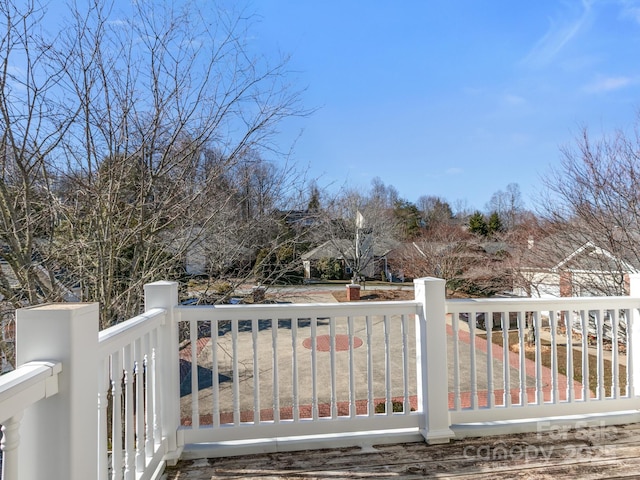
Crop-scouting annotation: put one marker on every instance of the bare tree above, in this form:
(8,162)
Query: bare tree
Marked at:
(435,211)
(592,201)
(35,116)
(455,256)
(507,204)
(108,129)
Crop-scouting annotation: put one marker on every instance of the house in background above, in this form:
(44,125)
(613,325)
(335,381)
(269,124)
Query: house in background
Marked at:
(564,267)
(343,251)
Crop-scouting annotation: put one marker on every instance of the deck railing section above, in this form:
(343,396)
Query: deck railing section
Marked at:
(520,358)
(130,439)
(278,370)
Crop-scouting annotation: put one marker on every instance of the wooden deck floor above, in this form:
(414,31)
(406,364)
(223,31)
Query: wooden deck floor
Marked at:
(590,453)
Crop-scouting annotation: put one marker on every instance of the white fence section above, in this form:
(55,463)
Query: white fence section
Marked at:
(130,441)
(136,372)
(263,371)
(19,389)
(180,382)
(529,358)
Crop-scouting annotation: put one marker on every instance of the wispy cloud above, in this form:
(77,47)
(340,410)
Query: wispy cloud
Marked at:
(513,100)
(560,33)
(606,84)
(451,171)
(631,9)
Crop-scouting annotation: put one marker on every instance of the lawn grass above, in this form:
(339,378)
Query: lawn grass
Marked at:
(545,360)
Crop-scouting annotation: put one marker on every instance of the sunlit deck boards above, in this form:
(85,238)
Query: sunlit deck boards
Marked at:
(591,453)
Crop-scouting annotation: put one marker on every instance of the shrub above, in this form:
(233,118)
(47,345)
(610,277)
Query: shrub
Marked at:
(329,269)
(396,405)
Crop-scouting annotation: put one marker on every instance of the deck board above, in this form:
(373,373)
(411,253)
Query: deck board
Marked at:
(596,453)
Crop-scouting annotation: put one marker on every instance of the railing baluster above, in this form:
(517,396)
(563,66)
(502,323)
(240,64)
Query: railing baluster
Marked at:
(9,447)
(139,406)
(158,384)
(553,325)
(488,325)
(352,376)
(455,325)
(314,367)
(615,387)
(116,416)
(600,348)
(294,370)
(629,390)
(584,323)
(195,394)
(569,326)
(129,430)
(506,380)
(332,350)
(405,365)
(215,372)
(149,407)
(276,376)
(387,365)
(235,372)
(538,330)
(473,362)
(255,328)
(522,320)
(103,402)
(370,403)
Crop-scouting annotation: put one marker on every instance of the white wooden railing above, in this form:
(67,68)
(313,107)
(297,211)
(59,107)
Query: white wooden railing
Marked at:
(584,342)
(187,381)
(129,398)
(277,370)
(19,389)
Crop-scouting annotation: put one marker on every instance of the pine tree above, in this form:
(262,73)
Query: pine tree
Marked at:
(478,225)
(495,223)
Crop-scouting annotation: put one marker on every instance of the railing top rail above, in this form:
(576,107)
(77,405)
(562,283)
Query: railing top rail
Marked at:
(120,335)
(526,304)
(26,385)
(298,310)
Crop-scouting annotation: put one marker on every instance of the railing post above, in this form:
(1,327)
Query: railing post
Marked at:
(431,353)
(59,435)
(164,294)
(633,337)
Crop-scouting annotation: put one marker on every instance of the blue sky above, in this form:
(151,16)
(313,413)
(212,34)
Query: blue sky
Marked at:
(448,97)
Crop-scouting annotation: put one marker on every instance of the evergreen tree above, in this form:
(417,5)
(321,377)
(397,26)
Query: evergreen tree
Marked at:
(314,199)
(408,217)
(495,223)
(478,225)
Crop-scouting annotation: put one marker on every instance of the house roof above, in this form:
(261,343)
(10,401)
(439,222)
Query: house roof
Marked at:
(344,249)
(561,252)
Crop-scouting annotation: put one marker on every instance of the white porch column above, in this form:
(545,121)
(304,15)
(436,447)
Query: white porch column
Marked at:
(59,435)
(633,337)
(164,294)
(431,352)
